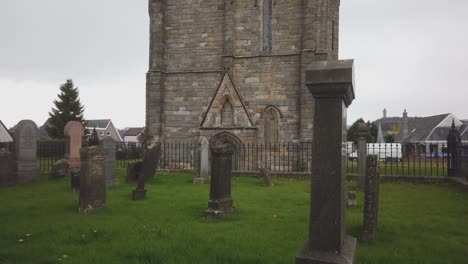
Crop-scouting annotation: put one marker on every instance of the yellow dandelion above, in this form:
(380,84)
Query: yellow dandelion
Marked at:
(275,216)
(20,240)
(28,235)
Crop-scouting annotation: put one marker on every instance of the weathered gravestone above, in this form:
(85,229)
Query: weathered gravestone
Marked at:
(463,172)
(25,150)
(331,85)
(7,168)
(108,146)
(371,198)
(265,174)
(220,202)
(92,180)
(352,202)
(74,133)
(147,167)
(59,169)
(363,131)
(203,162)
(139,193)
(132,171)
(75,179)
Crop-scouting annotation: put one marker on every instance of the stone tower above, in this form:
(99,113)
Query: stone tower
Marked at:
(236,68)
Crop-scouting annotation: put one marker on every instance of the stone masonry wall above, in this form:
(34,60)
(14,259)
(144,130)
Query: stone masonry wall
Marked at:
(192,41)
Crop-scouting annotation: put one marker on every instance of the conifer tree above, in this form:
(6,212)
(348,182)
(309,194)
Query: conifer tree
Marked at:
(67,108)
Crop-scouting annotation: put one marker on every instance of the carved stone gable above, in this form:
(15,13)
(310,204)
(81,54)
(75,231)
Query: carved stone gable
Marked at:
(227,108)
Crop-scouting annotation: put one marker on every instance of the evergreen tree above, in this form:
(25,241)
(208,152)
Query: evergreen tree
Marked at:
(353,131)
(67,108)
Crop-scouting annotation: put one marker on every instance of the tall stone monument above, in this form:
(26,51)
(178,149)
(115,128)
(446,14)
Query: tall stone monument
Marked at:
(92,180)
(371,198)
(363,131)
(26,151)
(74,132)
(7,168)
(203,162)
(331,83)
(108,146)
(220,186)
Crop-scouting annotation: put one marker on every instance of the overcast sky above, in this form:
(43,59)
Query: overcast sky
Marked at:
(409,54)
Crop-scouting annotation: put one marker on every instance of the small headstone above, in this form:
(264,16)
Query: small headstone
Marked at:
(74,133)
(352,203)
(25,150)
(371,198)
(108,146)
(151,161)
(75,179)
(140,193)
(363,131)
(203,162)
(92,180)
(59,169)
(265,174)
(7,168)
(132,171)
(220,202)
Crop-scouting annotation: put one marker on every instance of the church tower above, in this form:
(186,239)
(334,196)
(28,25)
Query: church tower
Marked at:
(236,68)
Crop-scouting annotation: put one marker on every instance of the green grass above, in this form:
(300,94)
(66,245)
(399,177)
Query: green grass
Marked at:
(423,168)
(418,224)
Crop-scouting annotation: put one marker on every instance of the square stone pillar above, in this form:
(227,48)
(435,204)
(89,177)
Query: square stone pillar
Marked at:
(371,198)
(331,84)
(363,131)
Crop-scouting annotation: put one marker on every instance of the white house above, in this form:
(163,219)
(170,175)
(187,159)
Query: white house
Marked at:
(5,135)
(133,134)
(104,128)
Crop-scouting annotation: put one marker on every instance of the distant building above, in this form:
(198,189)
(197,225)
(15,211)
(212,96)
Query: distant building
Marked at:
(43,133)
(104,128)
(133,134)
(432,131)
(5,135)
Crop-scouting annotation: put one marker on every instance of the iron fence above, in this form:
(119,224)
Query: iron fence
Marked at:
(414,159)
(411,159)
(183,156)
(48,153)
(7,145)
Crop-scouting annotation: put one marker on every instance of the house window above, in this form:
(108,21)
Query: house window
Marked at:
(101,133)
(108,133)
(267,26)
(227,114)
(271,126)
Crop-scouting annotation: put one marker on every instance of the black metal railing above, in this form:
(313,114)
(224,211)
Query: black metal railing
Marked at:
(48,153)
(8,145)
(411,159)
(284,157)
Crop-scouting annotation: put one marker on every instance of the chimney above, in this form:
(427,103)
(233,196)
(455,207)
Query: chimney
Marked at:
(405,128)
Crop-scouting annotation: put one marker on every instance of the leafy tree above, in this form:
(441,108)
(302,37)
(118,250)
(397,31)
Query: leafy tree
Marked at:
(353,131)
(67,108)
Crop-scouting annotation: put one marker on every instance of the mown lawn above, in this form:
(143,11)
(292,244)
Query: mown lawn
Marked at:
(39,223)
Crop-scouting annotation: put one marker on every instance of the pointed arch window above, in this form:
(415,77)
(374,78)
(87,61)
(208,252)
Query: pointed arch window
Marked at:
(267,26)
(271,126)
(227,114)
